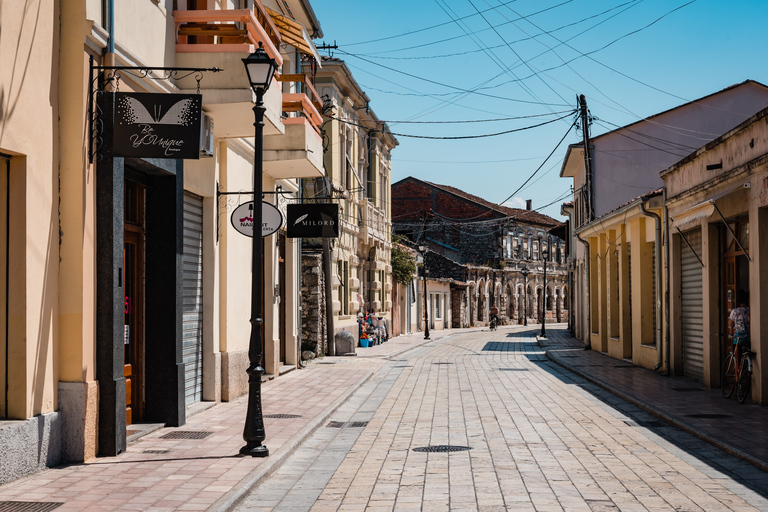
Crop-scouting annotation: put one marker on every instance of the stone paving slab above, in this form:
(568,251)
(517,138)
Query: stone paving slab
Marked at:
(738,429)
(206,474)
(539,438)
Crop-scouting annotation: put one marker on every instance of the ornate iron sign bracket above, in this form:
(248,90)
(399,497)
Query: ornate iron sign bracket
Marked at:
(111,75)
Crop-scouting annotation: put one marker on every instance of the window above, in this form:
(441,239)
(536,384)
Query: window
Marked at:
(436,309)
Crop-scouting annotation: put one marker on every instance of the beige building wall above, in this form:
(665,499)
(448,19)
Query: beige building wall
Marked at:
(29,132)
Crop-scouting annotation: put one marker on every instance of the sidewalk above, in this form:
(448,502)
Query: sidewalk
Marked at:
(738,429)
(200,469)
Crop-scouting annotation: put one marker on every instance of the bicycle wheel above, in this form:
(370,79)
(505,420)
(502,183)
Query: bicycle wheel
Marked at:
(728,376)
(745,381)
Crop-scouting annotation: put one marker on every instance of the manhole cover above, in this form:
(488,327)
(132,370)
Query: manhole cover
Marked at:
(709,416)
(282,416)
(186,434)
(157,452)
(28,506)
(347,424)
(442,448)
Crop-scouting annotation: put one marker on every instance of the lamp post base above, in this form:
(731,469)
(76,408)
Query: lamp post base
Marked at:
(254,451)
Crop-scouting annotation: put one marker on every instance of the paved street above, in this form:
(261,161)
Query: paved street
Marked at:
(538,437)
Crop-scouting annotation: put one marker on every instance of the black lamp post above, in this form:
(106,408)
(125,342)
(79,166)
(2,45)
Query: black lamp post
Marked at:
(424,271)
(545,258)
(525,273)
(260,68)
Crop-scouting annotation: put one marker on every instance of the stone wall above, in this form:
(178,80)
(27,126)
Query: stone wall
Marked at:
(313,323)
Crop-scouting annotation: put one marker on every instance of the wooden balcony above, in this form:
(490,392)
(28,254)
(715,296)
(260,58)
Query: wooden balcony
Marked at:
(227,31)
(305,102)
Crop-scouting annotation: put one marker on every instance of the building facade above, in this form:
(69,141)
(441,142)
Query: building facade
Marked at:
(484,248)
(614,233)
(126,296)
(717,203)
(358,162)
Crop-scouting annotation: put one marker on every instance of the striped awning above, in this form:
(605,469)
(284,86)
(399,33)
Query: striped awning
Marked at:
(294,34)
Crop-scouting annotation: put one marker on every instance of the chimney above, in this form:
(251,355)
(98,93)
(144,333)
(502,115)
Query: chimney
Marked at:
(528,204)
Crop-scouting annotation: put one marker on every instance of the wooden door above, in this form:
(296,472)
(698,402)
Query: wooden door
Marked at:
(282,290)
(133,286)
(133,325)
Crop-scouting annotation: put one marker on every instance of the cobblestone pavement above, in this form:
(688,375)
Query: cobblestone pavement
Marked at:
(539,436)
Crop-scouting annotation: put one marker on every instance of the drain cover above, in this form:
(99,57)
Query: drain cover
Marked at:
(186,434)
(282,416)
(28,506)
(347,424)
(156,451)
(709,416)
(442,363)
(513,369)
(442,448)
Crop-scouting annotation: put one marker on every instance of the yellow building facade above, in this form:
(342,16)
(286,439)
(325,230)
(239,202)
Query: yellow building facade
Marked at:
(123,281)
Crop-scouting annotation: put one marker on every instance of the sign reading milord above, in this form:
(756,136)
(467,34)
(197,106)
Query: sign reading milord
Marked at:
(149,125)
(242,219)
(313,220)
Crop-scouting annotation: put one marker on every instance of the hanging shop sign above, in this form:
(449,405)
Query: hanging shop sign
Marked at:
(319,220)
(242,219)
(149,125)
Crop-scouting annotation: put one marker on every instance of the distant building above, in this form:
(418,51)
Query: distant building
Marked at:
(489,245)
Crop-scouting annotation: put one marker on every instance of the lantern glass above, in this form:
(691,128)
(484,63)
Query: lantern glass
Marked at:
(260,68)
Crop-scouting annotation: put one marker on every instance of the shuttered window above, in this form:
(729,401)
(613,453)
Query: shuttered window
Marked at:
(193,298)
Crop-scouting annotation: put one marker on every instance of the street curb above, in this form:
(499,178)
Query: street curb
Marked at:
(746,457)
(236,495)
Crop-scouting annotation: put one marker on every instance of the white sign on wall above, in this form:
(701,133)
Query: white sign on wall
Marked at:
(242,219)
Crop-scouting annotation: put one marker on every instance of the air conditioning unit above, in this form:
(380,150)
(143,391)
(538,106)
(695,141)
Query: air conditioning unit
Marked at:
(206,136)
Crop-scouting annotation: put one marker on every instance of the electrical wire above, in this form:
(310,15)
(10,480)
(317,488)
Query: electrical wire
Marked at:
(387,38)
(461,137)
(542,164)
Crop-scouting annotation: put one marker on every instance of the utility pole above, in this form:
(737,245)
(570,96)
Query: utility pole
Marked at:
(587,155)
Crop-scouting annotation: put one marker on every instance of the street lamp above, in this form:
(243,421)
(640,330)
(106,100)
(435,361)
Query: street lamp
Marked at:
(545,258)
(424,271)
(525,273)
(260,68)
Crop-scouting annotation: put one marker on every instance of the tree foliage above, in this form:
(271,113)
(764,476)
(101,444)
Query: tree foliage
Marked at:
(403,263)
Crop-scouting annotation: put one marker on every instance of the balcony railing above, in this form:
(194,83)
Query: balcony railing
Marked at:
(227,30)
(305,102)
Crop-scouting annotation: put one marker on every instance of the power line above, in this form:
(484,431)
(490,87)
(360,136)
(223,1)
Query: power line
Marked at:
(451,86)
(542,164)
(387,38)
(460,137)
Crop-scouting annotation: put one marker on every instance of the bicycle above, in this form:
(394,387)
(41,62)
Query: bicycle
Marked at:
(493,324)
(736,374)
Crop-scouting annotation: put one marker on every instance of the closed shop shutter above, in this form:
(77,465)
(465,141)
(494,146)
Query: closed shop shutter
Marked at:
(692,306)
(193,298)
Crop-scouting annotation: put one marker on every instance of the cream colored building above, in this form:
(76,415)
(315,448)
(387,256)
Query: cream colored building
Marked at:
(618,259)
(358,164)
(717,201)
(127,286)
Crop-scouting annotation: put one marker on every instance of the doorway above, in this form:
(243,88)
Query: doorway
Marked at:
(133,316)
(735,275)
(281,240)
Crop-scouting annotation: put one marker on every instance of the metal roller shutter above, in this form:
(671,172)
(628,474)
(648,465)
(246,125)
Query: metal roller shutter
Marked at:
(692,306)
(193,298)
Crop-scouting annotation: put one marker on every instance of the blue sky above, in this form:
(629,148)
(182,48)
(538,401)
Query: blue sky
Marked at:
(415,59)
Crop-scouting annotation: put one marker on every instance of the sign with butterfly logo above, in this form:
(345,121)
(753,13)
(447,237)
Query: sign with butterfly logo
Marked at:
(149,125)
(319,220)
